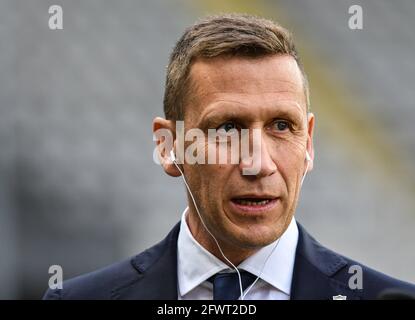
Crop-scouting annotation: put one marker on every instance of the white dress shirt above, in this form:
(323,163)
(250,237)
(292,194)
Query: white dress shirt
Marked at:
(195,265)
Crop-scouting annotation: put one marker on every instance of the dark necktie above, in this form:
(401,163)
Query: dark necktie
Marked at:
(226,285)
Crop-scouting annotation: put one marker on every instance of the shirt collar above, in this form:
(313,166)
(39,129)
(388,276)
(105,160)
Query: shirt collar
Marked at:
(196,264)
(278,270)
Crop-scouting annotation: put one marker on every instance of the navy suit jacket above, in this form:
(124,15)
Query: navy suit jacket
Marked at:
(319,273)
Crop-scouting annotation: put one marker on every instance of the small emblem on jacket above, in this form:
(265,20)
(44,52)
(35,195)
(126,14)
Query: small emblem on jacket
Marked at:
(339,297)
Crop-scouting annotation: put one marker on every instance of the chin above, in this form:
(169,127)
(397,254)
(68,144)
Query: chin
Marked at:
(261,237)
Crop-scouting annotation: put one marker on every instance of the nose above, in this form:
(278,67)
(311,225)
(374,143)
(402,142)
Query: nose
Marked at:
(260,163)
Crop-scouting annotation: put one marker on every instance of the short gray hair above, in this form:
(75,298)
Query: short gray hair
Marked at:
(228,34)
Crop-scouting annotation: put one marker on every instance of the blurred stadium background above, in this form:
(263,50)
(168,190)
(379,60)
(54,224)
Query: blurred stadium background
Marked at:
(78,186)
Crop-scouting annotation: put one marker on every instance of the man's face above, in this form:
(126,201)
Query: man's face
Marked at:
(249,93)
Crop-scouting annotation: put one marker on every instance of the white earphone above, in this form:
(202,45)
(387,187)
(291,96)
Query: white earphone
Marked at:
(172,156)
(308,159)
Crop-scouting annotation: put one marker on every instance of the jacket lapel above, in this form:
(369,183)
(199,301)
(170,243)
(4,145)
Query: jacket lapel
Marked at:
(157,272)
(314,273)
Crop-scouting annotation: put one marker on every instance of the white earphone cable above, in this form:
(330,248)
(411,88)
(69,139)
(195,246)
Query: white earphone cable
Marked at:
(242,294)
(207,229)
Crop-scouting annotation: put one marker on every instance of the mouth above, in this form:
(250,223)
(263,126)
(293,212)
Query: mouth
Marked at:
(254,203)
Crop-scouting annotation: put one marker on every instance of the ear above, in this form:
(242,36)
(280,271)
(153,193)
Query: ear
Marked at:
(164,133)
(310,145)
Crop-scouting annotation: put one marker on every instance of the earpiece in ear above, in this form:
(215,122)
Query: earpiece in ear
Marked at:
(308,158)
(172,156)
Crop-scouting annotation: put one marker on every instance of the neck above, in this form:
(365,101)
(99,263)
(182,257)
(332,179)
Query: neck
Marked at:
(233,253)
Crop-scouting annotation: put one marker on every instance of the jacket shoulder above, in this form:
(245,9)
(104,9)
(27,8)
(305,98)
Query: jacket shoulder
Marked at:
(98,284)
(336,274)
(374,284)
(123,279)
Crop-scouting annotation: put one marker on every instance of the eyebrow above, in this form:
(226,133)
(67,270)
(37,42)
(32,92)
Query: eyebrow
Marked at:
(235,113)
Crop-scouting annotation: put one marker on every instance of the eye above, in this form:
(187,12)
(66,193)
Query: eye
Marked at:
(281,125)
(227,126)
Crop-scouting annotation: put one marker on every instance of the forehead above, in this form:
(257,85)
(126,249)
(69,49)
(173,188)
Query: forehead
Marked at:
(257,83)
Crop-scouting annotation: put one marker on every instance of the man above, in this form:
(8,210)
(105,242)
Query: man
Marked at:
(238,237)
